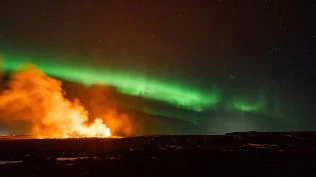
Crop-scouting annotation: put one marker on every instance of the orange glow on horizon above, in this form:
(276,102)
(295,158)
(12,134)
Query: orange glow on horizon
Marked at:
(35,98)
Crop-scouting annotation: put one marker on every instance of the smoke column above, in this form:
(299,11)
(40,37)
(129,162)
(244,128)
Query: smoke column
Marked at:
(38,100)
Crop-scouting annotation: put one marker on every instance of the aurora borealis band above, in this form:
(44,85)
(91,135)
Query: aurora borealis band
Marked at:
(130,84)
(181,96)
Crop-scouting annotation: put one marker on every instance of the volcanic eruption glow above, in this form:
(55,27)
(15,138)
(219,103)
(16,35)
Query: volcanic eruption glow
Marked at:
(34,98)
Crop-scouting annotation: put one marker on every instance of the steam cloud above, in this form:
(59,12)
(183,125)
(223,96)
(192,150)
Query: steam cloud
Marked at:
(34,104)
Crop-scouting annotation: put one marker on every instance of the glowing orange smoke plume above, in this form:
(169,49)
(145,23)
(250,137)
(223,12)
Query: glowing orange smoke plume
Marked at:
(34,97)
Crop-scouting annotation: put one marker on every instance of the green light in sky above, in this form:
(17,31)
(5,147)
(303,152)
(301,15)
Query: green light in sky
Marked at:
(244,106)
(126,83)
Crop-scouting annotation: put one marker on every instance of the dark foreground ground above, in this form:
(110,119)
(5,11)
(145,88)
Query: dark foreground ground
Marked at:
(237,154)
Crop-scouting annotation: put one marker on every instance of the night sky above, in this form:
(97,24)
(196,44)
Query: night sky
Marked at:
(256,59)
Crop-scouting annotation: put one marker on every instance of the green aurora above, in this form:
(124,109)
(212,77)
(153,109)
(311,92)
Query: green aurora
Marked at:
(126,83)
(180,95)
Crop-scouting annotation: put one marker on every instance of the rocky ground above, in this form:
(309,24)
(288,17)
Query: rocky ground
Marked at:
(235,154)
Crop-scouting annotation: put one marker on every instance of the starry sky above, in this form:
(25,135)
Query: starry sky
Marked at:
(256,57)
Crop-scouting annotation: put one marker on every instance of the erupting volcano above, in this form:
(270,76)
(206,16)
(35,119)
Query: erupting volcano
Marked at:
(31,96)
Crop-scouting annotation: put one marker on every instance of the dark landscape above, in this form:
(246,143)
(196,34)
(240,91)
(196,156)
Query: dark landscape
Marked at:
(234,154)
